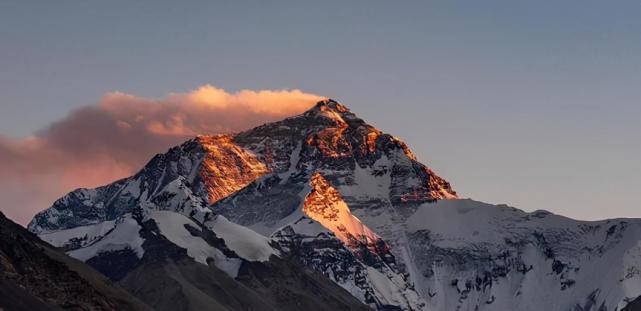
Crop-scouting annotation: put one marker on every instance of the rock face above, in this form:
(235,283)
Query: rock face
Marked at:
(226,167)
(35,276)
(325,205)
(328,192)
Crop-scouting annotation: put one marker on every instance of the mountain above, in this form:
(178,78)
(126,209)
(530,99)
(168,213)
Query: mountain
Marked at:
(327,200)
(36,276)
(182,265)
(174,262)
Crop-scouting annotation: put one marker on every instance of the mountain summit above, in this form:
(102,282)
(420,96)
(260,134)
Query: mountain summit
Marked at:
(327,138)
(325,200)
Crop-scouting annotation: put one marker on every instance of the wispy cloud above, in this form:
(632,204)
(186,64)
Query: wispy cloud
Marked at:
(98,144)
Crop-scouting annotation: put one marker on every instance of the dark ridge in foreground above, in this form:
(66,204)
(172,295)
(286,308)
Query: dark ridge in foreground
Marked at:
(36,276)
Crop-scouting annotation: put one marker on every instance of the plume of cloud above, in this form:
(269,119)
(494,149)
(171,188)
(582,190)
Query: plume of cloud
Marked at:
(97,144)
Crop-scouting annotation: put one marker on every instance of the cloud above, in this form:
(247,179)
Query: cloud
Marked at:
(97,144)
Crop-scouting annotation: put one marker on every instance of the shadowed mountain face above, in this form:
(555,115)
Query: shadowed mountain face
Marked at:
(635,305)
(322,210)
(36,276)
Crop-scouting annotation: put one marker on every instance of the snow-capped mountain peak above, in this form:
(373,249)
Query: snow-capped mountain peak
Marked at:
(330,192)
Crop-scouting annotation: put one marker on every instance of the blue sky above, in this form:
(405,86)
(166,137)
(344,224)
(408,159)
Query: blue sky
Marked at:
(531,103)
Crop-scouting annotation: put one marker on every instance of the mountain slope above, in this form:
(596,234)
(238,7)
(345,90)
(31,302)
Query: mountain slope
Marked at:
(174,261)
(470,254)
(35,276)
(326,191)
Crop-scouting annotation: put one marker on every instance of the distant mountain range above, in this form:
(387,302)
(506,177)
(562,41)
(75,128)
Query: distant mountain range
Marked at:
(322,211)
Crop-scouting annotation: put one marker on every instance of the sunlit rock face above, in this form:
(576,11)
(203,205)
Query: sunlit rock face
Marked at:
(226,167)
(325,205)
(330,137)
(332,241)
(212,167)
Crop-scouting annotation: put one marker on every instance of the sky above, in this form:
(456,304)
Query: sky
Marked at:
(531,103)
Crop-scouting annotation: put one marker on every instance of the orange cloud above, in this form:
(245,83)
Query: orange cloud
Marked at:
(95,145)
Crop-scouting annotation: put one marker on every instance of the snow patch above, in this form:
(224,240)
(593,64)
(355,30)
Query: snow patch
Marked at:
(385,288)
(172,226)
(123,236)
(293,161)
(242,240)
(370,182)
(87,233)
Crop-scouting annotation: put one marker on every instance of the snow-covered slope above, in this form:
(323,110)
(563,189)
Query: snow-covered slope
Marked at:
(472,255)
(330,192)
(370,277)
(172,261)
